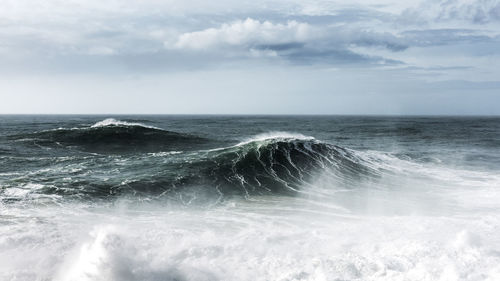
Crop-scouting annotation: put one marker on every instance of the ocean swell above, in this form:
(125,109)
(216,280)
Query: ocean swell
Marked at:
(280,165)
(112,136)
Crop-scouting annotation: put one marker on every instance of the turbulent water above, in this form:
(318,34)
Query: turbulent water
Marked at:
(249,198)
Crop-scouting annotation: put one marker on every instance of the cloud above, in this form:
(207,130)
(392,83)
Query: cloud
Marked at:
(294,41)
(437,37)
(477,11)
(163,36)
(254,34)
(472,11)
(247,33)
(101,50)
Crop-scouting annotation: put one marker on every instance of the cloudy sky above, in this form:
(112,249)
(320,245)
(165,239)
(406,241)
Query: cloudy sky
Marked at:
(241,57)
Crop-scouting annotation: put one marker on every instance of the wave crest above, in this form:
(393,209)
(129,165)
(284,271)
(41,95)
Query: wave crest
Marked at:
(273,136)
(114,122)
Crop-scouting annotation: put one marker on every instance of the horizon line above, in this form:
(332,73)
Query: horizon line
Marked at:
(251,114)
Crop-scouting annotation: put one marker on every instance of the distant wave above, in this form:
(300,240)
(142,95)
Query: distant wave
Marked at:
(112,135)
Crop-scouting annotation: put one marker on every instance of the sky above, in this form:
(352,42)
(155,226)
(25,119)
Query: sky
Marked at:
(421,57)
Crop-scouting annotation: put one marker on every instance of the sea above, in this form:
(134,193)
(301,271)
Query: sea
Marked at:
(221,197)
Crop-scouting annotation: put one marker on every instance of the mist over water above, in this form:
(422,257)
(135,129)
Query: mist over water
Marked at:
(249,198)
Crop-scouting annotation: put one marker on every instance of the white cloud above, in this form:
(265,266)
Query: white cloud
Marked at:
(292,41)
(466,11)
(481,11)
(247,32)
(101,50)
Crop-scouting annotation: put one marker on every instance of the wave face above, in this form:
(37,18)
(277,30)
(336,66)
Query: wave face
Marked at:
(111,135)
(279,165)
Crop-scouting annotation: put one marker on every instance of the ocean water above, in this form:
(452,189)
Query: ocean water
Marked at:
(249,198)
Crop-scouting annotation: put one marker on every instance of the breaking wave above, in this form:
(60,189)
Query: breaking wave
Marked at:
(279,164)
(114,122)
(111,135)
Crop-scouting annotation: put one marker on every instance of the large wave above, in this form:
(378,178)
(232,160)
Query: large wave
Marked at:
(279,164)
(112,135)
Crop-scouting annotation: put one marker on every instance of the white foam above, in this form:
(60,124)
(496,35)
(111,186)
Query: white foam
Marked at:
(100,258)
(266,137)
(238,243)
(164,153)
(22,191)
(275,136)
(114,122)
(16,192)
